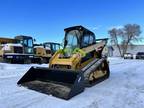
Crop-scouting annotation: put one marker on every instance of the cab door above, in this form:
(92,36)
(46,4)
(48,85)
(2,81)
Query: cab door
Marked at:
(87,40)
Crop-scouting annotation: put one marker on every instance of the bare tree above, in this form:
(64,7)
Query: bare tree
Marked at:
(114,34)
(131,32)
(125,36)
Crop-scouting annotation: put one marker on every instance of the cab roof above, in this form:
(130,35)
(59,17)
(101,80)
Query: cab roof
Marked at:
(23,37)
(51,43)
(79,28)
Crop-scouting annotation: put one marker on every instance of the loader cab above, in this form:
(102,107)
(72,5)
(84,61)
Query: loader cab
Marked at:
(78,37)
(51,47)
(27,43)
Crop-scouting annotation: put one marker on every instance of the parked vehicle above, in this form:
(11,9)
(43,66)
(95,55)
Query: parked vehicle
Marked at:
(17,50)
(43,52)
(22,49)
(52,46)
(140,55)
(128,56)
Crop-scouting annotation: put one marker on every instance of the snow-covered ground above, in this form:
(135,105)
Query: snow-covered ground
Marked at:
(124,89)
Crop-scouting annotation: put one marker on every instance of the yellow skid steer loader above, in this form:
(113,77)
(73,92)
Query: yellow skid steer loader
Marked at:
(78,65)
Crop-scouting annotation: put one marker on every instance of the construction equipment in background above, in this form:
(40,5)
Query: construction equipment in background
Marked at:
(43,52)
(7,40)
(22,49)
(41,55)
(78,65)
(52,47)
(17,50)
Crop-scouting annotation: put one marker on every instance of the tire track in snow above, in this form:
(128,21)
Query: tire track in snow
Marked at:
(21,99)
(14,94)
(125,62)
(94,104)
(10,76)
(7,95)
(129,97)
(28,103)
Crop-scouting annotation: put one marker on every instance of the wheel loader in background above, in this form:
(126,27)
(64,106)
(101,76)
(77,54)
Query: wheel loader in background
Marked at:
(17,50)
(22,49)
(78,65)
(52,47)
(43,52)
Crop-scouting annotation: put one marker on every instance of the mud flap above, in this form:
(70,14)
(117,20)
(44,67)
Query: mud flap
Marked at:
(60,83)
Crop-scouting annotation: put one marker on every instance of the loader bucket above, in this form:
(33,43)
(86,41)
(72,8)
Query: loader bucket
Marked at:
(60,83)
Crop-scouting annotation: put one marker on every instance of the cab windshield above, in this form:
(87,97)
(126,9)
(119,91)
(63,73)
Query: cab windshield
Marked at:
(28,45)
(71,41)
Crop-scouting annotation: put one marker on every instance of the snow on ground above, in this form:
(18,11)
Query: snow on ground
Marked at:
(13,70)
(124,89)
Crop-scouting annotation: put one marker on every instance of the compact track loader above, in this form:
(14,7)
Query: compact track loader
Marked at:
(43,52)
(78,65)
(52,47)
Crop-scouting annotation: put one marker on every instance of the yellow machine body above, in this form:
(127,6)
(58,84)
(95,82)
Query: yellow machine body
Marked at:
(41,52)
(78,65)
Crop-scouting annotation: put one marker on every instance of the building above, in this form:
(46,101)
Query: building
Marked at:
(113,50)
